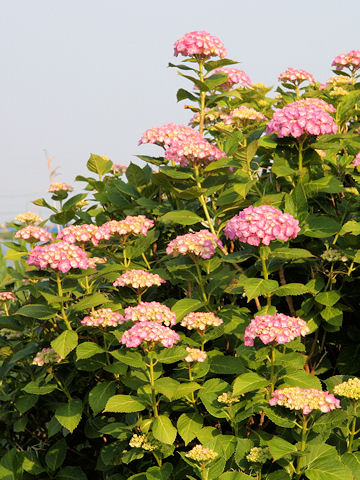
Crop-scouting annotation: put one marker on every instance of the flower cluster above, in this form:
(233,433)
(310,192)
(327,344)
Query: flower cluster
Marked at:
(81,203)
(28,218)
(201,454)
(202,244)
(333,255)
(167,134)
(356,161)
(33,233)
(347,60)
(199,44)
(78,233)
(275,328)
(349,389)
(10,334)
(117,168)
(228,398)
(93,261)
(46,355)
(149,332)
(104,317)
(194,151)
(243,115)
(259,455)
(296,76)
(59,187)
(151,312)
(234,75)
(297,119)
(131,225)
(146,442)
(138,279)
(305,399)
(338,80)
(316,102)
(261,225)
(200,320)
(7,297)
(59,256)
(195,355)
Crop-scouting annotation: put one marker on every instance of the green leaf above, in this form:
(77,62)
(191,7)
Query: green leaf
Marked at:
(235,476)
(281,167)
(31,463)
(171,355)
(184,306)
(221,163)
(184,94)
(87,350)
(352,227)
(328,298)
(320,226)
(69,414)
(34,388)
(323,463)
(280,448)
(248,382)
(167,386)
(299,378)
(73,201)
(90,301)
(65,343)
(11,466)
(226,364)
(352,461)
(124,404)
(136,175)
(99,164)
(182,217)
(100,394)
(291,289)
(254,287)
(25,402)
(56,454)
(41,312)
(159,473)
(327,184)
(189,425)
(12,254)
(164,430)
(70,473)
(332,315)
(290,253)
(41,202)
(176,172)
(280,417)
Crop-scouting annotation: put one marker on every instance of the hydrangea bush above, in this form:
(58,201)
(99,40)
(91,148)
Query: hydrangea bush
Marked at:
(195,317)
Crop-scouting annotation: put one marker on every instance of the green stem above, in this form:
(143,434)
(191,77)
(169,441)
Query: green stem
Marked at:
(6,309)
(203,201)
(200,280)
(146,261)
(300,150)
(61,386)
(152,384)
(60,293)
(265,275)
(190,380)
(204,473)
(202,97)
(272,369)
(158,459)
(87,285)
(304,431)
(106,347)
(353,428)
(297,91)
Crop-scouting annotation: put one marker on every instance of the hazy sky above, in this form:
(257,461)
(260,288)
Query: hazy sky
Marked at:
(81,76)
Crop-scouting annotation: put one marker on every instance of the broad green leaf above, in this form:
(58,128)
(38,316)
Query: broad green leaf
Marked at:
(56,454)
(99,164)
(124,404)
(290,253)
(320,226)
(235,476)
(332,315)
(88,302)
(280,448)
(69,414)
(41,312)
(248,382)
(291,289)
(31,463)
(189,425)
(280,417)
(176,172)
(323,463)
(100,394)
(136,175)
(71,473)
(352,227)
(87,350)
(159,473)
(164,430)
(65,343)
(34,388)
(184,306)
(327,184)
(328,298)
(182,217)
(167,386)
(254,287)
(221,163)
(299,378)
(352,461)
(281,167)
(133,359)
(11,465)
(185,390)
(12,254)
(23,403)
(226,365)
(171,355)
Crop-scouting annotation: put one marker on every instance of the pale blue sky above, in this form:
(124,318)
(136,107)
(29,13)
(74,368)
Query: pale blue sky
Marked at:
(81,76)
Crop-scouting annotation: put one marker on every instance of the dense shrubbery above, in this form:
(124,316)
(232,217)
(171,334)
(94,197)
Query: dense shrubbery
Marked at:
(223,355)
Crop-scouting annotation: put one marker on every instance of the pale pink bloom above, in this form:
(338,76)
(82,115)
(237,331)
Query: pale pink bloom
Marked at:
(195,355)
(46,355)
(196,151)
(117,168)
(150,333)
(59,187)
(151,312)
(356,161)
(199,44)
(28,217)
(33,233)
(165,135)
(296,76)
(347,60)
(277,328)
(131,225)
(234,75)
(78,233)
(316,102)
(305,399)
(243,115)
(93,261)
(104,317)
(337,80)
(7,297)
(261,225)
(138,279)
(60,256)
(202,244)
(200,321)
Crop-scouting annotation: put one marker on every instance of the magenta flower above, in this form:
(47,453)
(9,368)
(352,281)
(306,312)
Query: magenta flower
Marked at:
(151,312)
(234,75)
(199,44)
(60,256)
(78,233)
(261,225)
(32,233)
(275,328)
(131,225)
(202,244)
(200,321)
(296,76)
(7,297)
(305,399)
(104,317)
(149,332)
(138,279)
(347,60)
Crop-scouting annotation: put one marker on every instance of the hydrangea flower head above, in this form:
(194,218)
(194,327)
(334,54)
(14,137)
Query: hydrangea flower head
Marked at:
(149,333)
(200,321)
(234,75)
(117,168)
(59,187)
(151,312)
(261,225)
(195,151)
(33,233)
(28,218)
(104,317)
(7,297)
(277,328)
(144,441)
(195,355)
(243,116)
(138,279)
(316,102)
(349,389)
(347,60)
(167,134)
(305,399)
(131,225)
(46,355)
(356,161)
(60,256)
(201,454)
(199,44)
(10,334)
(259,455)
(228,398)
(77,233)
(202,244)
(337,80)
(296,76)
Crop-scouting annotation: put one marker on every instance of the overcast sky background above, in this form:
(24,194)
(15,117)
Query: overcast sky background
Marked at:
(81,76)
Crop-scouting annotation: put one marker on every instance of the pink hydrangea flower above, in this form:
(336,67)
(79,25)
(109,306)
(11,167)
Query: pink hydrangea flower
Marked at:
(7,297)
(59,187)
(165,135)
(78,233)
(200,320)
(195,355)
(296,76)
(33,234)
(104,317)
(138,279)
(202,244)
(347,60)
(58,256)
(337,80)
(235,76)
(199,44)
(131,225)
(93,261)
(243,115)
(261,225)
(275,328)
(117,168)
(305,399)
(151,312)
(356,161)
(46,355)
(195,151)
(149,332)
(316,102)
(298,119)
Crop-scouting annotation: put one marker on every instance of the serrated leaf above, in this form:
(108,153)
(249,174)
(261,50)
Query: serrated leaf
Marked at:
(87,350)
(184,306)
(70,473)
(56,454)
(352,227)
(69,414)
(90,301)
(164,430)
(291,253)
(65,343)
(279,417)
(100,394)
(34,388)
(38,311)
(254,287)
(226,365)
(291,289)
(99,164)
(171,355)
(320,226)
(248,382)
(328,298)
(352,461)
(189,425)
(124,404)
(299,378)
(323,463)
(280,448)
(182,217)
